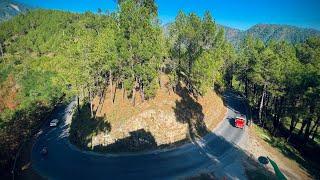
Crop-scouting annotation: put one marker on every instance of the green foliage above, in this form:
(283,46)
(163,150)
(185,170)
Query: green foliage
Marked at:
(281,81)
(51,53)
(198,51)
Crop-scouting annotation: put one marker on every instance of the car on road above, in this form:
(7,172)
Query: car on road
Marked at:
(240,121)
(54,123)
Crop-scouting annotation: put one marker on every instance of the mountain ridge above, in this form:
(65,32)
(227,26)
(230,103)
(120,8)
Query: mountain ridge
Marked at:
(267,32)
(263,31)
(9,9)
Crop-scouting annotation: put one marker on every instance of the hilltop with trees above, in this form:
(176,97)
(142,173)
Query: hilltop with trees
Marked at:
(271,32)
(49,56)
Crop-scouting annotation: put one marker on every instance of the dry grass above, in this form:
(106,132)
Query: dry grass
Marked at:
(157,115)
(8,94)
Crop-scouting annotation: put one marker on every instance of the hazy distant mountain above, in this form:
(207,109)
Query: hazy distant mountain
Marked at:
(9,8)
(267,32)
(232,34)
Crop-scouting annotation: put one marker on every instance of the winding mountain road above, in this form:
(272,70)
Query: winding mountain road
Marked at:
(217,153)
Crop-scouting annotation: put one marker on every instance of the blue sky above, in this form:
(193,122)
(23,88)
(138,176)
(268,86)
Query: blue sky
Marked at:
(234,13)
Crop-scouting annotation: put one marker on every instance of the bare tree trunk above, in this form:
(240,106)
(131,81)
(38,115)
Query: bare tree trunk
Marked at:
(293,125)
(115,91)
(276,119)
(315,132)
(123,91)
(179,55)
(134,92)
(110,83)
(314,129)
(91,104)
(304,122)
(1,50)
(261,102)
(246,88)
(309,120)
(141,90)
(307,130)
(78,100)
(266,105)
(104,92)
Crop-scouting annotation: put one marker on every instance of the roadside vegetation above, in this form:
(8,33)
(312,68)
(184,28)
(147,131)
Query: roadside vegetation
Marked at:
(46,55)
(281,83)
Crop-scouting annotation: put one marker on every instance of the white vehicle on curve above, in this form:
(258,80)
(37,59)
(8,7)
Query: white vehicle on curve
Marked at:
(54,123)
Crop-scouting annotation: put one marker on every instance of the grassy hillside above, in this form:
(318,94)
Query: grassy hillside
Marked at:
(33,64)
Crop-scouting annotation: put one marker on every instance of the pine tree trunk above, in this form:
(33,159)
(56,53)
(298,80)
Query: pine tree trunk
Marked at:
(275,118)
(246,87)
(114,93)
(104,92)
(110,83)
(78,102)
(91,104)
(307,131)
(159,80)
(266,102)
(315,128)
(179,55)
(1,50)
(123,91)
(309,120)
(293,124)
(304,122)
(261,102)
(134,92)
(315,132)
(141,90)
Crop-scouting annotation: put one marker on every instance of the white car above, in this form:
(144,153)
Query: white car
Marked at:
(54,123)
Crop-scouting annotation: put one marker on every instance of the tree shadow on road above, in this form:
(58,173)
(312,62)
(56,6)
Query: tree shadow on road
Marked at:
(84,127)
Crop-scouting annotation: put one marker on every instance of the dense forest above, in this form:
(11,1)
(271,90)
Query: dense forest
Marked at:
(47,56)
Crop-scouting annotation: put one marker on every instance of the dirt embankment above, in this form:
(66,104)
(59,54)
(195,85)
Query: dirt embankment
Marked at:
(167,119)
(8,92)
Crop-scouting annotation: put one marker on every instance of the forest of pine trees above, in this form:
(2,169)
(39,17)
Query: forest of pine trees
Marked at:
(47,54)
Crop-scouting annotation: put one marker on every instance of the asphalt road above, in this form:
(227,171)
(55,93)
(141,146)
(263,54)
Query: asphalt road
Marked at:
(216,153)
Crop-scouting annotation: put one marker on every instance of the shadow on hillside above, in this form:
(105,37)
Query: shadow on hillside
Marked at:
(189,111)
(83,127)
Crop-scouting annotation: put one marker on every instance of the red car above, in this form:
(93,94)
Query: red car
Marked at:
(240,122)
